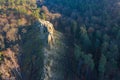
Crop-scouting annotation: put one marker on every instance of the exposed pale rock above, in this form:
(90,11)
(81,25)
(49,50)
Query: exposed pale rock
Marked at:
(54,54)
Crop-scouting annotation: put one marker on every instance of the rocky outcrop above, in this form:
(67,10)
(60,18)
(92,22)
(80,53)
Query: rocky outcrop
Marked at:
(53,52)
(23,61)
(47,30)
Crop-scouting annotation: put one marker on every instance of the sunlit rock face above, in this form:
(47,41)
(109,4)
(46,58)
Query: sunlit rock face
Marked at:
(53,52)
(47,32)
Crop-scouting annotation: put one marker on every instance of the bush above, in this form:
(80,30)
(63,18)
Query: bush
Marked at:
(1,56)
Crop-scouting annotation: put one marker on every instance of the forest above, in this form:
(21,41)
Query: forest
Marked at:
(81,39)
(93,36)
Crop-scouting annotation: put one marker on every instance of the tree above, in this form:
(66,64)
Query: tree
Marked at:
(2,2)
(114,51)
(105,47)
(2,44)
(89,64)
(23,2)
(11,3)
(42,16)
(97,44)
(110,51)
(85,62)
(36,13)
(74,27)
(0,56)
(101,68)
(118,35)
(85,41)
(118,39)
(18,2)
(78,53)
(89,61)
(106,37)
(98,34)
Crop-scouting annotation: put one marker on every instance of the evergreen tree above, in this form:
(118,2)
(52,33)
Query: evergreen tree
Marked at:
(105,47)
(85,41)
(78,53)
(114,51)
(89,61)
(118,40)
(85,62)
(106,38)
(102,64)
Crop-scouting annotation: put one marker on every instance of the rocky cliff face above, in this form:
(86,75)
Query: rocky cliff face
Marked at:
(30,50)
(54,52)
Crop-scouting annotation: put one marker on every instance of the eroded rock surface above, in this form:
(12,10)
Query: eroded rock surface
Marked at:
(53,52)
